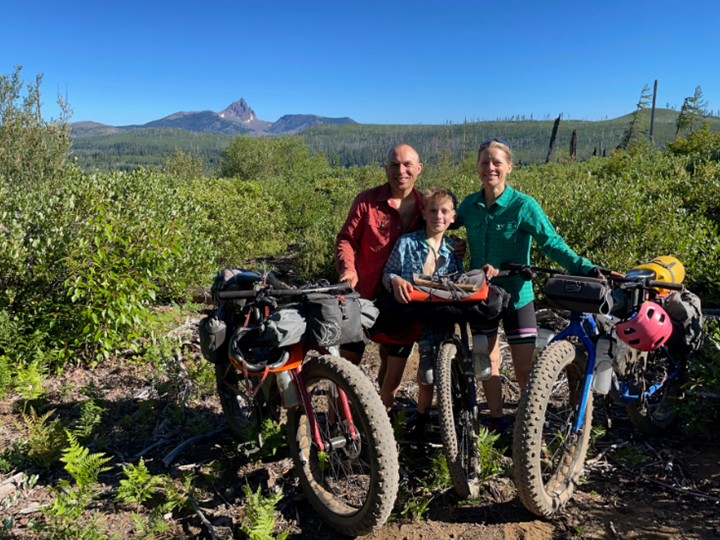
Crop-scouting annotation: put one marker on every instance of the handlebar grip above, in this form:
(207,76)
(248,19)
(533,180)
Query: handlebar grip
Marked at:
(511,266)
(666,285)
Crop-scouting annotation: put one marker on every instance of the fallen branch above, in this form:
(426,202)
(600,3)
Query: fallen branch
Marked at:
(144,451)
(202,517)
(681,490)
(200,438)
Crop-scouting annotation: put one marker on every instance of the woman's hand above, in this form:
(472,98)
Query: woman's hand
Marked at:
(401,289)
(490,271)
(460,247)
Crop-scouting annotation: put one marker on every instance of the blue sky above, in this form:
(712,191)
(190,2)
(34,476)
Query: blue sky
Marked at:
(377,62)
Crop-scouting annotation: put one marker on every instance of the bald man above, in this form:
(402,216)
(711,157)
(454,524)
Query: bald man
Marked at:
(377,218)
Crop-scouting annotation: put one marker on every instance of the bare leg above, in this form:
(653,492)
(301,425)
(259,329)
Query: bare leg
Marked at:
(393,380)
(493,386)
(425,396)
(383,365)
(351,356)
(522,361)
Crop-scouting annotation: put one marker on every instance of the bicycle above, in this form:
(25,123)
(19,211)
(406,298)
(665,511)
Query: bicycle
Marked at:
(339,435)
(554,416)
(458,410)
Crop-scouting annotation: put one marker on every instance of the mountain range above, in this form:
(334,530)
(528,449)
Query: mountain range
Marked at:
(237,118)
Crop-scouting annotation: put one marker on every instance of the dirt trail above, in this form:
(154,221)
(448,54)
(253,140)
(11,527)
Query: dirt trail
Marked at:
(666,488)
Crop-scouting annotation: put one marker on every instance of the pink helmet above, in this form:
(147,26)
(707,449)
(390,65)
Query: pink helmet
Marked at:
(649,328)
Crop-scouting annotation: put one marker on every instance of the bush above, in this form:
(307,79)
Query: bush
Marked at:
(83,258)
(32,150)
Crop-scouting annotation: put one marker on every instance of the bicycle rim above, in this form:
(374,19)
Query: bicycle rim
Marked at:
(352,482)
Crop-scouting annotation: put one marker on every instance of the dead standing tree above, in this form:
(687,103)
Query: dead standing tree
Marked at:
(573,144)
(551,148)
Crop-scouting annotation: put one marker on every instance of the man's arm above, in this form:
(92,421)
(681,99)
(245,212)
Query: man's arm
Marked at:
(348,242)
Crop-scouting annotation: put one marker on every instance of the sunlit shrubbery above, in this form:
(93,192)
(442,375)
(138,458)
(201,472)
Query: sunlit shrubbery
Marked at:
(82,258)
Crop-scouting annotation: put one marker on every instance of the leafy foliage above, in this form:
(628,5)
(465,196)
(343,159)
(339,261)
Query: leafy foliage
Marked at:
(184,165)
(32,150)
(45,440)
(69,517)
(260,514)
(139,485)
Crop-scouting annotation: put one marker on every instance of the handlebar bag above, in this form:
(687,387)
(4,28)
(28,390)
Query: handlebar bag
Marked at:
(451,290)
(334,319)
(580,294)
(448,311)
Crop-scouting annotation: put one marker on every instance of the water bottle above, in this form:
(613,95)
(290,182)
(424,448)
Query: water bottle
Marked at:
(481,357)
(543,338)
(602,375)
(287,389)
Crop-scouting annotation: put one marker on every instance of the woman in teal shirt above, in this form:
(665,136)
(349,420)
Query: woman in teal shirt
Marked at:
(501,224)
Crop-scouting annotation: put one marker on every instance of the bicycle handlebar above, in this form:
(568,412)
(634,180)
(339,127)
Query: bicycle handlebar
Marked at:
(514,268)
(229,295)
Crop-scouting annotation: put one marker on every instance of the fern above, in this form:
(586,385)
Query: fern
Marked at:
(260,512)
(81,464)
(90,416)
(139,486)
(489,456)
(29,378)
(44,440)
(68,516)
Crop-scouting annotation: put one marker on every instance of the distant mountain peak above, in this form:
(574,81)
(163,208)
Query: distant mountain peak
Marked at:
(238,111)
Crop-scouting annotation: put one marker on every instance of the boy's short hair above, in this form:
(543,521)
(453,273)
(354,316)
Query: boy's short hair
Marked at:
(437,196)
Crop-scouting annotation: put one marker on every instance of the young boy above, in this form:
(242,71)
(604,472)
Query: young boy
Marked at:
(429,252)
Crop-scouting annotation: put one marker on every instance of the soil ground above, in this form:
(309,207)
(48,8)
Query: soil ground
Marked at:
(632,487)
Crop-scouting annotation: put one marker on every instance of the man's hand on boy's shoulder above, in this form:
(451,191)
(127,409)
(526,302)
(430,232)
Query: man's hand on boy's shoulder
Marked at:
(460,246)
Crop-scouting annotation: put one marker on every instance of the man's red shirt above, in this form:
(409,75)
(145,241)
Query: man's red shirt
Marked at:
(367,239)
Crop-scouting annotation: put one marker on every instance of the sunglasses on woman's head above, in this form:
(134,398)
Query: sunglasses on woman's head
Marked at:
(501,141)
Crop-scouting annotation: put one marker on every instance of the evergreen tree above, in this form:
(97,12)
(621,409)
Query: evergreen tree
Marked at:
(636,133)
(693,109)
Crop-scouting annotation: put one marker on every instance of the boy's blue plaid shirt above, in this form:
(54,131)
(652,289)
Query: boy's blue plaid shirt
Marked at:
(409,256)
(504,232)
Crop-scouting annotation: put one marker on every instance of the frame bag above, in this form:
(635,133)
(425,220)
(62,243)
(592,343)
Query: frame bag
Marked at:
(580,294)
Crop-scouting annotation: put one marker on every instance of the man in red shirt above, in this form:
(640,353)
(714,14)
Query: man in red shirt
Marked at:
(377,218)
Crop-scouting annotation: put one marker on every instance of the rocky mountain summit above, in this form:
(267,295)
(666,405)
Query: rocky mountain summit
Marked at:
(236,118)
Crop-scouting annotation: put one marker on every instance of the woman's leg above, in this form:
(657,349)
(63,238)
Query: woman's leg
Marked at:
(383,350)
(521,332)
(493,387)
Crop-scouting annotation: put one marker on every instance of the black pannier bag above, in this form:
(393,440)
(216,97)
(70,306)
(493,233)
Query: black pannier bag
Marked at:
(334,319)
(579,293)
(445,312)
(685,310)
(215,337)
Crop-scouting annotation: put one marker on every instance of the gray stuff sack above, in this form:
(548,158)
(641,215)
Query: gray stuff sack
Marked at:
(685,311)
(214,338)
(284,327)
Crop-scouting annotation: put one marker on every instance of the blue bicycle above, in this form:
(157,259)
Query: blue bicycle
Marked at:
(555,413)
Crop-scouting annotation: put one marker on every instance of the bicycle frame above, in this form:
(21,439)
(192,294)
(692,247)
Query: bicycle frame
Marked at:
(577,328)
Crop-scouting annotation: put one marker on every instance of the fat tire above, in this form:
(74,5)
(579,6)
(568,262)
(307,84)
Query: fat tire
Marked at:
(459,436)
(237,418)
(654,415)
(380,454)
(544,489)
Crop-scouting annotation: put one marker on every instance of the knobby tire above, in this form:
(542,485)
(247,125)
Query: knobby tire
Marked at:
(354,487)
(548,459)
(458,428)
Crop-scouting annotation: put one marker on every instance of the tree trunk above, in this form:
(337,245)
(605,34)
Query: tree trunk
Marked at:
(652,113)
(551,148)
(573,144)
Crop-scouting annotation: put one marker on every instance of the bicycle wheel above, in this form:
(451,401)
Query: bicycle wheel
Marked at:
(236,408)
(458,426)
(353,482)
(547,456)
(654,414)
